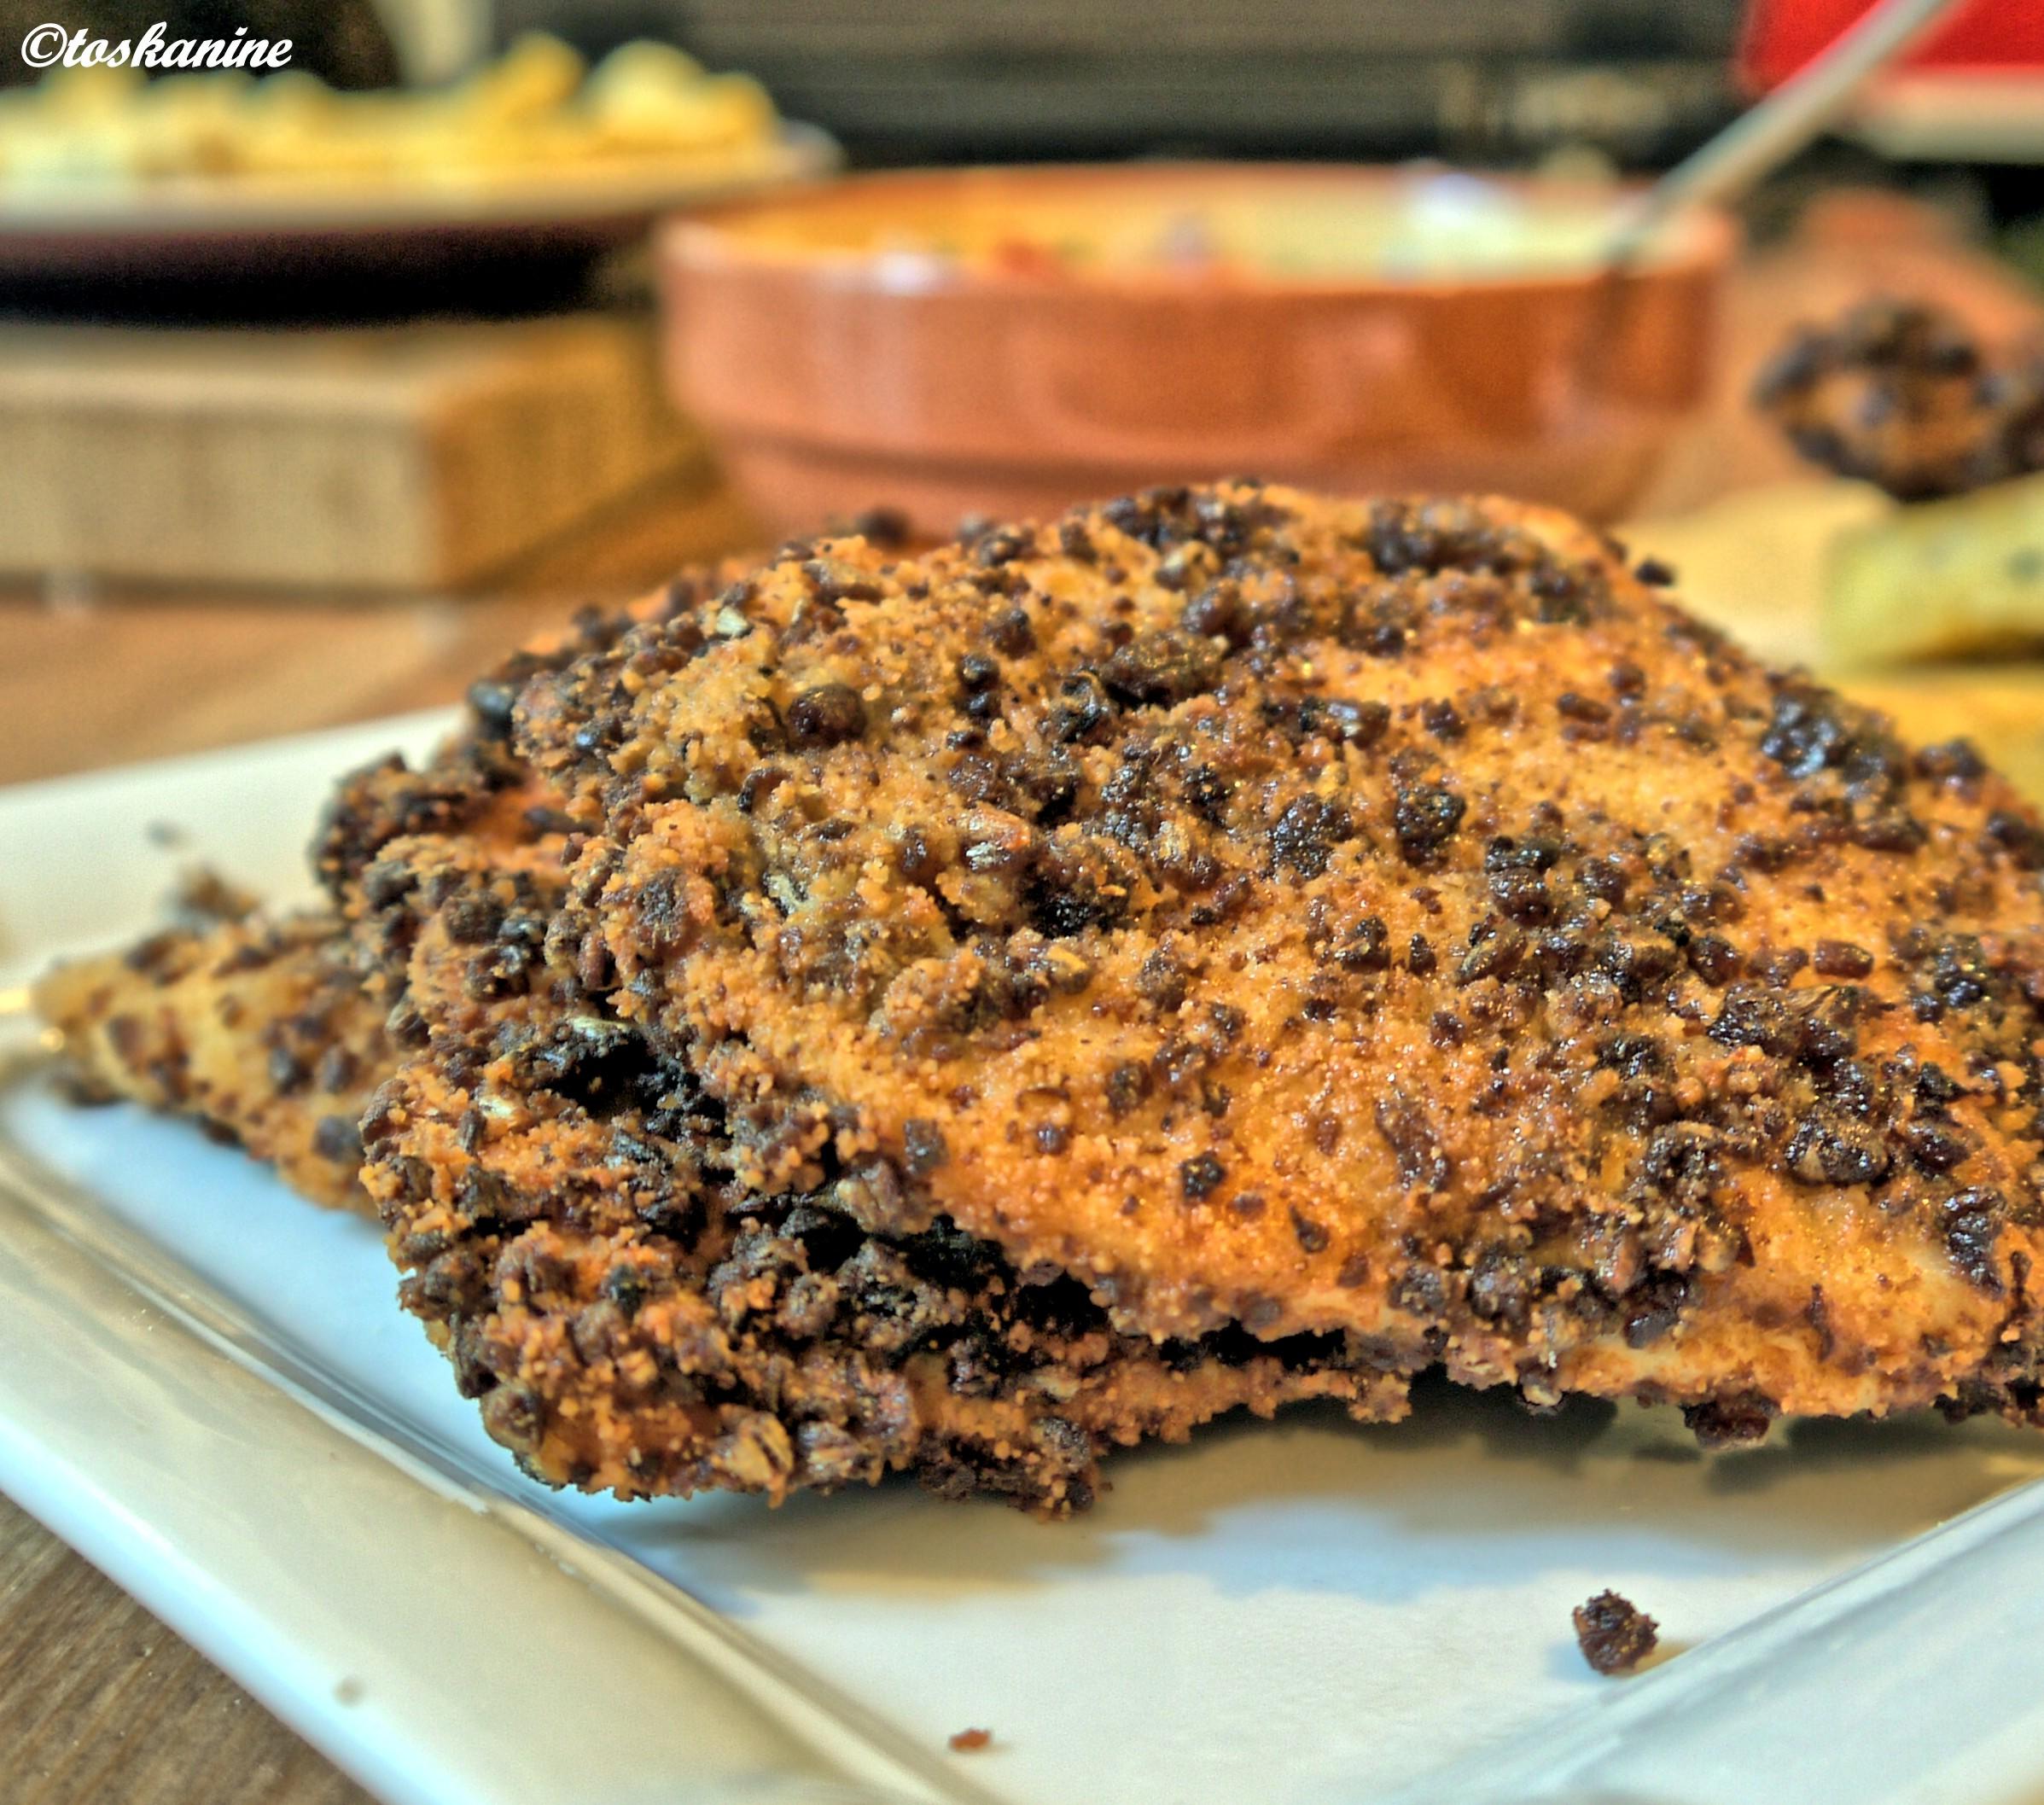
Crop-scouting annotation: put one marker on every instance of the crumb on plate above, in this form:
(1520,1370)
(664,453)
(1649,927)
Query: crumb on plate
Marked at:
(1614,1634)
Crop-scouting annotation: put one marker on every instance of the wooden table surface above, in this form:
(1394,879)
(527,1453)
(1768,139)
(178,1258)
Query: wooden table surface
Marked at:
(100,1702)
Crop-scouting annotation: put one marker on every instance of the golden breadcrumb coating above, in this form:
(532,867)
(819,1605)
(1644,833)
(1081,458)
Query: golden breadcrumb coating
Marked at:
(271,1029)
(1351,938)
(962,1013)
(260,1028)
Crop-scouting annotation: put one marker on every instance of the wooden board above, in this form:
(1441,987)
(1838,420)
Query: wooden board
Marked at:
(104,1704)
(418,456)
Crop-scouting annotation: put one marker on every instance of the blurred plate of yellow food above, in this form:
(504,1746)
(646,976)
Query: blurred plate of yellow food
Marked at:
(92,159)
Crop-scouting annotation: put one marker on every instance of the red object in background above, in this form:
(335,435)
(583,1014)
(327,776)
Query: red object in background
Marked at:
(1780,36)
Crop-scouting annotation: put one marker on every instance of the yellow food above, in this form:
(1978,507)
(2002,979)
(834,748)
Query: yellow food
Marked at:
(537,111)
(1951,578)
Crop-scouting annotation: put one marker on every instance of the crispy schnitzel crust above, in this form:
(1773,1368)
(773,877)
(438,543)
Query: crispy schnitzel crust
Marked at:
(259,1028)
(1384,936)
(962,1013)
(272,1030)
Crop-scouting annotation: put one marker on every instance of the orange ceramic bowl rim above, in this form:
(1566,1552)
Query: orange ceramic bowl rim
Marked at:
(842,351)
(724,237)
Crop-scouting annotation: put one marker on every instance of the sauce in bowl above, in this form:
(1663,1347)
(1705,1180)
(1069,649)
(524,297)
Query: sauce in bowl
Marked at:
(1421,225)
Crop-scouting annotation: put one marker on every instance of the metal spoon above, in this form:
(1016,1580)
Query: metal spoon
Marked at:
(1766,136)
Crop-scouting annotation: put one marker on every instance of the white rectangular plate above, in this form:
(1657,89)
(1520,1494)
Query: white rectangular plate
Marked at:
(206,1385)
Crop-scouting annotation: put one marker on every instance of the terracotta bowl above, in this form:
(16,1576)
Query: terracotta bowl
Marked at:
(923,341)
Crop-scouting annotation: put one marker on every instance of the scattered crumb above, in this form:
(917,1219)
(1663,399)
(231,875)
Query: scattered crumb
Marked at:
(167,834)
(967,1740)
(349,1691)
(204,898)
(81,1090)
(1614,1634)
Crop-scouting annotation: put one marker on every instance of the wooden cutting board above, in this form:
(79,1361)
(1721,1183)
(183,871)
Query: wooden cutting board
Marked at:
(416,456)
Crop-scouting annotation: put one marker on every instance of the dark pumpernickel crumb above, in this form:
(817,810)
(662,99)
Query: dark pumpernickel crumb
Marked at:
(1902,394)
(1614,1634)
(203,897)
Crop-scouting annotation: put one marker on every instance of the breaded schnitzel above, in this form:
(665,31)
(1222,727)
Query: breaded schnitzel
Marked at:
(973,1010)
(261,1029)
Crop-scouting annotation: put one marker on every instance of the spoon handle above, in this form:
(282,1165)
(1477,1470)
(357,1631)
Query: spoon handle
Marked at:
(1768,134)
